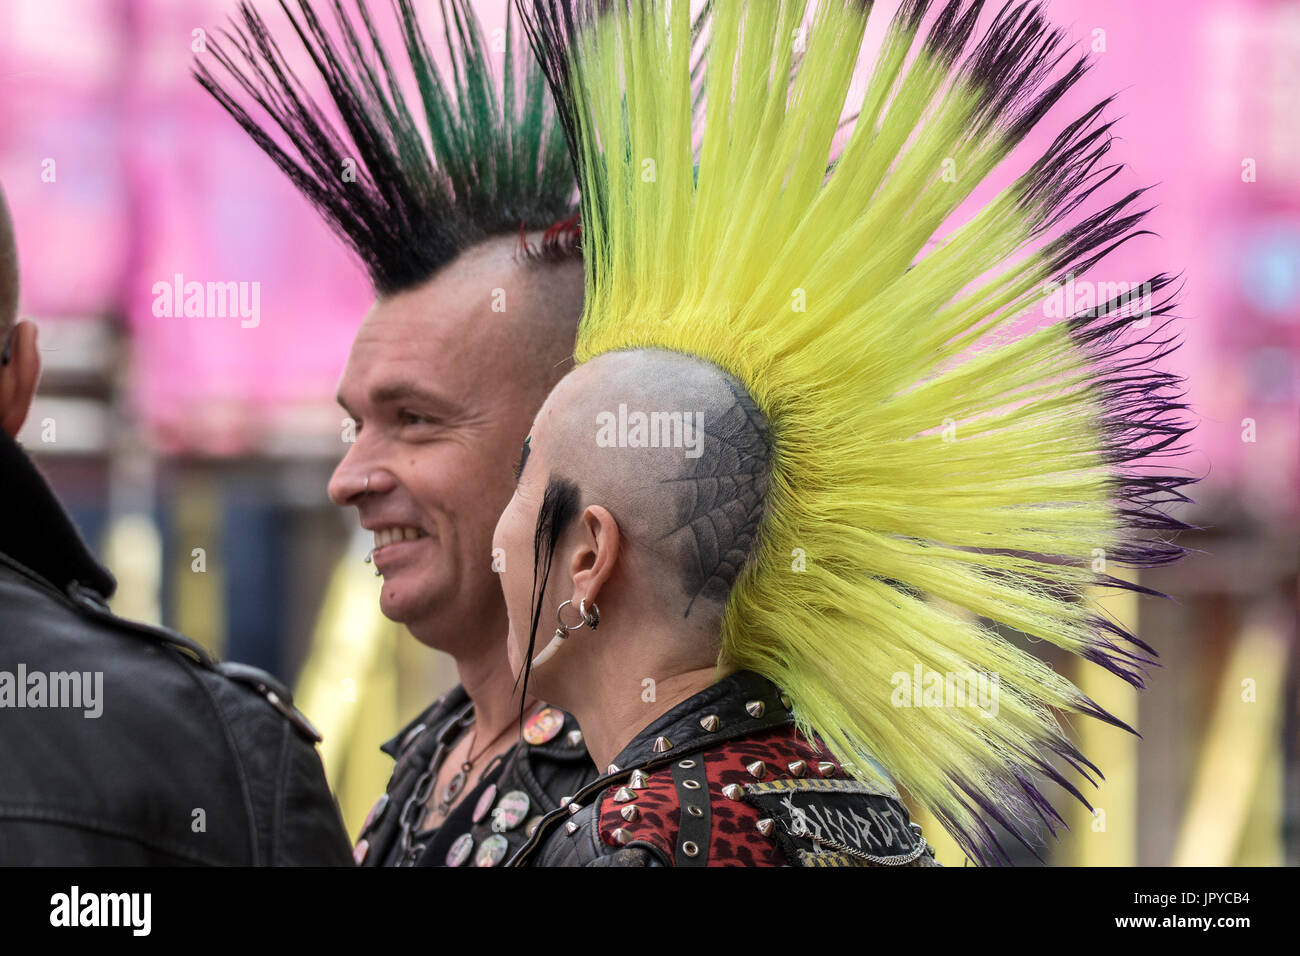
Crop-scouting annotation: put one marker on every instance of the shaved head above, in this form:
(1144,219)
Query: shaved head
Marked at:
(8,271)
(691,505)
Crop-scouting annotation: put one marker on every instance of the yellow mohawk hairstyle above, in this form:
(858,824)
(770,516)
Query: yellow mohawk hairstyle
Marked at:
(944,466)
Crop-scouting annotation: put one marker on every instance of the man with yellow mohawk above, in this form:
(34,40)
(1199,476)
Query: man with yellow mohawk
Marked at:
(813,453)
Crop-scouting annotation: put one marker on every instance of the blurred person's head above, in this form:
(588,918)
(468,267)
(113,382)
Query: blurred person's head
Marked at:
(470,241)
(20,363)
(657,532)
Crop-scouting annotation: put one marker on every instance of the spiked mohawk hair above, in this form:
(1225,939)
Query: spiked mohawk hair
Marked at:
(944,468)
(495,161)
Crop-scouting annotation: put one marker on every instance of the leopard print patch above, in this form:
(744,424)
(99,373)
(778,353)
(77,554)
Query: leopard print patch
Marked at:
(735,839)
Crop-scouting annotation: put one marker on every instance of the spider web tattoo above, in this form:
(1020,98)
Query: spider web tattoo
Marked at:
(719,500)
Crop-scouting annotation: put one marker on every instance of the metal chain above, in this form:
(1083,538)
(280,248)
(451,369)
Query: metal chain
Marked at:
(414,810)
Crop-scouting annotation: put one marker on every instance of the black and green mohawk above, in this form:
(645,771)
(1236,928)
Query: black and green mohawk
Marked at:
(494,160)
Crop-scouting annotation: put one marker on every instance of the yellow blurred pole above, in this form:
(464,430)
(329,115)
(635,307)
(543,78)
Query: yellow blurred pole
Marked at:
(1108,837)
(1239,744)
(348,688)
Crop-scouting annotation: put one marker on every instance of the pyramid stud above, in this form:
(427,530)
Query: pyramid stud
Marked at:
(571,827)
(733,791)
(574,738)
(624,795)
(574,807)
(797,769)
(785,701)
(662,745)
(612,768)
(755,708)
(709,723)
(757,769)
(621,837)
(630,812)
(825,768)
(638,781)
(766,826)
(564,801)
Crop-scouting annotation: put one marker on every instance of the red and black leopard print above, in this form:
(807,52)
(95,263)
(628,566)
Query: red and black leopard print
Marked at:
(735,838)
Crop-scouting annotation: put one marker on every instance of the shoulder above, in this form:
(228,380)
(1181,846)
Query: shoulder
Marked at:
(770,799)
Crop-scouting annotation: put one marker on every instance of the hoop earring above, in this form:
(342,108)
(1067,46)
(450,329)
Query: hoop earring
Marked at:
(590,618)
(561,634)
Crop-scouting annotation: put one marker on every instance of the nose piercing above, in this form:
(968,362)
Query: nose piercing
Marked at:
(366,486)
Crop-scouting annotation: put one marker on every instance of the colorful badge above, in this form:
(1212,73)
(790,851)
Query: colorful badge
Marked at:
(460,850)
(543,726)
(491,851)
(510,811)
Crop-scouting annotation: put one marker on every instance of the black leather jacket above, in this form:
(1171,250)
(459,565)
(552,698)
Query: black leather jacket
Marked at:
(490,823)
(723,779)
(157,754)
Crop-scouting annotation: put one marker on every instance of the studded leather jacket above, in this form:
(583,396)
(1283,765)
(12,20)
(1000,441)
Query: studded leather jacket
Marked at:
(490,823)
(724,779)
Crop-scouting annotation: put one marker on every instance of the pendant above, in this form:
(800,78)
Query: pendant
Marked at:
(454,786)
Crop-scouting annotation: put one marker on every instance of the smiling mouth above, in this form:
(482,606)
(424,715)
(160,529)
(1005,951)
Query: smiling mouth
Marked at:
(387,536)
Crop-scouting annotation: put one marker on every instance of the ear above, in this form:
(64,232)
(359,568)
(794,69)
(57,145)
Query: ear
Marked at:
(18,379)
(596,555)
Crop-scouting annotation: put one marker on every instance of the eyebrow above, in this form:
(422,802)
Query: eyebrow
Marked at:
(406,391)
(523,457)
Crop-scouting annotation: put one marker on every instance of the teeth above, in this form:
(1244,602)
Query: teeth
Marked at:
(393,535)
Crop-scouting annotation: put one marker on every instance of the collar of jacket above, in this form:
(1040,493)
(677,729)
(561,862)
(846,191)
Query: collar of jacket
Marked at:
(37,533)
(435,714)
(740,704)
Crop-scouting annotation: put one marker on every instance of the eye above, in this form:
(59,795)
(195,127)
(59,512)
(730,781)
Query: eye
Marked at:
(523,457)
(406,417)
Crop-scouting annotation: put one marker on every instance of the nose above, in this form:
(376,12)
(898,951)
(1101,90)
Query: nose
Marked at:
(357,475)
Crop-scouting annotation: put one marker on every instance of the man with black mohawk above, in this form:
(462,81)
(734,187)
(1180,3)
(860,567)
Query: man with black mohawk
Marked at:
(469,237)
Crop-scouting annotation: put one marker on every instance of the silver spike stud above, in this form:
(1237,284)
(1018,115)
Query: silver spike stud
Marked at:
(766,826)
(571,827)
(709,723)
(574,807)
(755,708)
(733,791)
(825,768)
(757,769)
(574,738)
(624,795)
(621,837)
(630,812)
(612,768)
(785,701)
(797,768)
(639,780)
(662,745)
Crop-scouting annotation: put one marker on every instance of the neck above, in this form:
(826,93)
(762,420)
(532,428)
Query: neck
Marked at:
(614,711)
(485,675)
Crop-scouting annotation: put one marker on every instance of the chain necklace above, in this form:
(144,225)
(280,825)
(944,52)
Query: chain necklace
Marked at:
(457,783)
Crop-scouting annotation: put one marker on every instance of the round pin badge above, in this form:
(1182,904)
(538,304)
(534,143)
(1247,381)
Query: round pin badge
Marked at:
(491,851)
(460,850)
(510,811)
(485,803)
(543,726)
